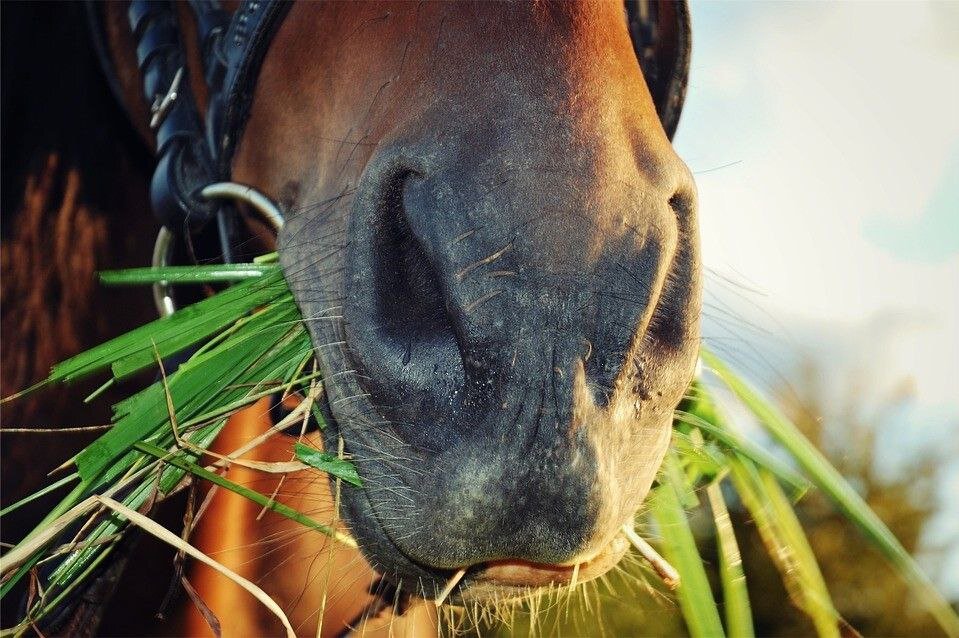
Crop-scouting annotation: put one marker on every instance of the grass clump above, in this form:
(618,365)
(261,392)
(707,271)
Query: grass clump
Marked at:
(248,342)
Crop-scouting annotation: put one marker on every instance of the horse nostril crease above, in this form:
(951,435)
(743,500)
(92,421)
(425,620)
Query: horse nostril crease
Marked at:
(679,203)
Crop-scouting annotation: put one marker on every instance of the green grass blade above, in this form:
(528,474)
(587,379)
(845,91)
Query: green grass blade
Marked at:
(269,258)
(51,603)
(39,493)
(75,496)
(253,495)
(218,377)
(163,479)
(329,463)
(679,548)
(174,333)
(672,472)
(739,618)
(253,344)
(229,408)
(734,442)
(786,544)
(185,274)
(698,408)
(825,477)
(172,342)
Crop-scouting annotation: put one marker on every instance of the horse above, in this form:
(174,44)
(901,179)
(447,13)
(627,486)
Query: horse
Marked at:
(494,247)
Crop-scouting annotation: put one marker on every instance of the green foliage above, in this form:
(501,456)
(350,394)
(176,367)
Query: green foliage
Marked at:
(328,463)
(818,470)
(738,612)
(849,428)
(248,342)
(679,547)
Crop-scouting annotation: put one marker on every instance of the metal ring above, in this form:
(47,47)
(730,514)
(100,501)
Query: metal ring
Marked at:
(260,202)
(162,292)
(162,295)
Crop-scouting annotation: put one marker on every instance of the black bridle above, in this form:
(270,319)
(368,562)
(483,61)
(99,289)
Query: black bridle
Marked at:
(194,151)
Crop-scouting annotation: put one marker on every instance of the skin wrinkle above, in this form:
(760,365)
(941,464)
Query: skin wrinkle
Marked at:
(575,182)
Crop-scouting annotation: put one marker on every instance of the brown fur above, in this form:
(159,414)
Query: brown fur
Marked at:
(49,267)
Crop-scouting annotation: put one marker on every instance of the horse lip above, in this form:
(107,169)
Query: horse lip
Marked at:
(517,578)
(373,532)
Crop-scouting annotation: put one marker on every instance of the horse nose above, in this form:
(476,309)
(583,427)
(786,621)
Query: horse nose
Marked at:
(400,332)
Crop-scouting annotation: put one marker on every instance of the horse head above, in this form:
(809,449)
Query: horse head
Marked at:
(495,249)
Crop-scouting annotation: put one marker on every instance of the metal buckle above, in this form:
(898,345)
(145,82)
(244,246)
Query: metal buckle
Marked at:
(162,291)
(162,104)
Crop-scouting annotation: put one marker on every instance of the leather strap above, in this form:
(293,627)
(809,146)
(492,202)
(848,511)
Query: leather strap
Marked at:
(184,162)
(661,35)
(245,45)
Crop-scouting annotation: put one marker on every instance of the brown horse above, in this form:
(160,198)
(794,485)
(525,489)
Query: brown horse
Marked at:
(495,248)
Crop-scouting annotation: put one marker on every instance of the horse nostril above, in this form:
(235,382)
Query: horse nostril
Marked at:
(400,336)
(683,199)
(670,322)
(409,301)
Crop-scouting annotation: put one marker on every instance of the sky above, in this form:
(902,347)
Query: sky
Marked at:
(825,142)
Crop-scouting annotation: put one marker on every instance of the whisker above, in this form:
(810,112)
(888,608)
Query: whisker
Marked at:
(575,577)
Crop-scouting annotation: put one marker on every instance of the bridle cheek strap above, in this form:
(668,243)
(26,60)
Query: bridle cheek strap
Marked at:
(184,161)
(192,151)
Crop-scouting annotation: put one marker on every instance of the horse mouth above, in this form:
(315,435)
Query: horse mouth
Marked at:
(514,579)
(497,580)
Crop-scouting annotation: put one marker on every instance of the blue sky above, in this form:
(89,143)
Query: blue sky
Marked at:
(825,141)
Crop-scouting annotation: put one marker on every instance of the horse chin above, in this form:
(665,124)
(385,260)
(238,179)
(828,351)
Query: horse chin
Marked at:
(363,523)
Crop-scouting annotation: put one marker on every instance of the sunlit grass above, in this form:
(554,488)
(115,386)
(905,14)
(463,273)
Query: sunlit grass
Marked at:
(249,342)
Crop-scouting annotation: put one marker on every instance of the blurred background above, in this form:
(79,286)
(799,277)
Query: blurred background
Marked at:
(825,142)
(825,139)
